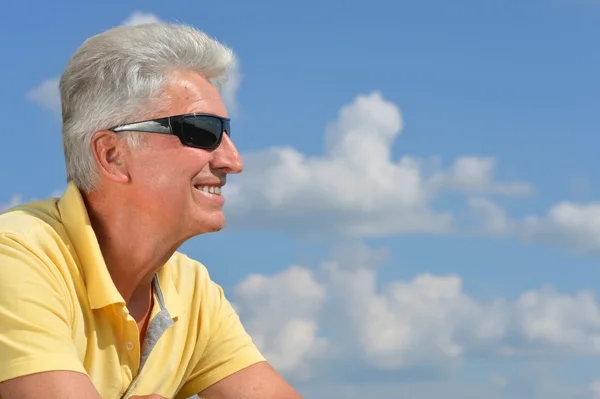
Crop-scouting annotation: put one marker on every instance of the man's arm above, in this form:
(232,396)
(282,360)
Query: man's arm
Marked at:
(259,381)
(51,385)
(54,385)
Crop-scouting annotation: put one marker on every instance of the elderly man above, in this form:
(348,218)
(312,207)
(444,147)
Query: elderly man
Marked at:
(95,300)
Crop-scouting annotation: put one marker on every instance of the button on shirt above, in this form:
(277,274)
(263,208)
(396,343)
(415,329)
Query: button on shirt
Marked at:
(59,310)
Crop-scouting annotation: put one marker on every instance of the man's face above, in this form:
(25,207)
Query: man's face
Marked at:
(166,175)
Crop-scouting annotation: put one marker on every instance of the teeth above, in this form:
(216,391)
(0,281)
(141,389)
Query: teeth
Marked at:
(210,189)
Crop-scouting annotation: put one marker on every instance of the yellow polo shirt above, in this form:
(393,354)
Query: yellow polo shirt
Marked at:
(59,310)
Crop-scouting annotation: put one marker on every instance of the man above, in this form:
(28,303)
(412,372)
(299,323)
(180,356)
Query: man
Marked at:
(95,302)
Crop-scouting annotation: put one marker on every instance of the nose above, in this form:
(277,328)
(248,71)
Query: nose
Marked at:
(226,157)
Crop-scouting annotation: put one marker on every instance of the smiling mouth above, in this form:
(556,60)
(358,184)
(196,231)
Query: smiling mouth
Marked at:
(216,190)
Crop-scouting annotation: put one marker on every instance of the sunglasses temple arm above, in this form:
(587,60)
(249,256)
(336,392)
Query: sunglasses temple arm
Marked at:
(147,126)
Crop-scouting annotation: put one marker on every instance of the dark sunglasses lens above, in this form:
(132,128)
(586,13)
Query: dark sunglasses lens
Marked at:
(201,131)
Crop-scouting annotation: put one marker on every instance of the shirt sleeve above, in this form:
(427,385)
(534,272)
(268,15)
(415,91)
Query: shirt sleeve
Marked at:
(35,314)
(229,347)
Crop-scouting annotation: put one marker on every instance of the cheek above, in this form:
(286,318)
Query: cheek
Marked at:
(168,169)
(154,172)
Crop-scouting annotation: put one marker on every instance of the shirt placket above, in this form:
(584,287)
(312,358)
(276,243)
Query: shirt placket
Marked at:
(157,327)
(129,350)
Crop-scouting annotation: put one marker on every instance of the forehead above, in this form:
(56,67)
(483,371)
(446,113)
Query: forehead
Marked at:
(190,92)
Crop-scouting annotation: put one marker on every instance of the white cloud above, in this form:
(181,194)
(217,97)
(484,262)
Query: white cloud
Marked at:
(474,175)
(406,324)
(356,188)
(281,315)
(230,88)
(428,323)
(47,96)
(568,323)
(140,18)
(575,226)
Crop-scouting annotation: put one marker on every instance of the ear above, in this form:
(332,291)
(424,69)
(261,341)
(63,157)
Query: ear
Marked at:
(110,154)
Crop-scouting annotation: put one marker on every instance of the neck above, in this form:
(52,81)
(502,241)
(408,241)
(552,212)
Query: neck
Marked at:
(133,247)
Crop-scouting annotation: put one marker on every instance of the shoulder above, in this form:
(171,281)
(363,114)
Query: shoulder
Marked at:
(32,222)
(192,280)
(32,244)
(194,285)
(187,274)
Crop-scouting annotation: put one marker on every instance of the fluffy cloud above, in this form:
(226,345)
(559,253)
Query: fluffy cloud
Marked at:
(428,324)
(573,226)
(431,322)
(140,18)
(287,338)
(47,94)
(356,188)
(576,226)
(231,87)
(474,175)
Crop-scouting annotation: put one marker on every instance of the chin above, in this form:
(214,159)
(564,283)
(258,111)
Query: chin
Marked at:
(214,229)
(212,224)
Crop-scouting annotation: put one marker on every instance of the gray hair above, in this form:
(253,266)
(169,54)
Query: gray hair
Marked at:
(117,76)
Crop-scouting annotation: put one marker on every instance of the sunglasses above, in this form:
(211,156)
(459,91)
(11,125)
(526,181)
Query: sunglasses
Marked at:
(194,130)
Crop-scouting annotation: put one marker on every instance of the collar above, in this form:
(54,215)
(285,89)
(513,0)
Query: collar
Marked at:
(101,290)
(166,292)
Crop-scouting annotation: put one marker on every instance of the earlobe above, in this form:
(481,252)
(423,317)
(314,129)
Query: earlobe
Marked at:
(109,153)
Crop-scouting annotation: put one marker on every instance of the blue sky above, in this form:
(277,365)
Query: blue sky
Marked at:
(443,151)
